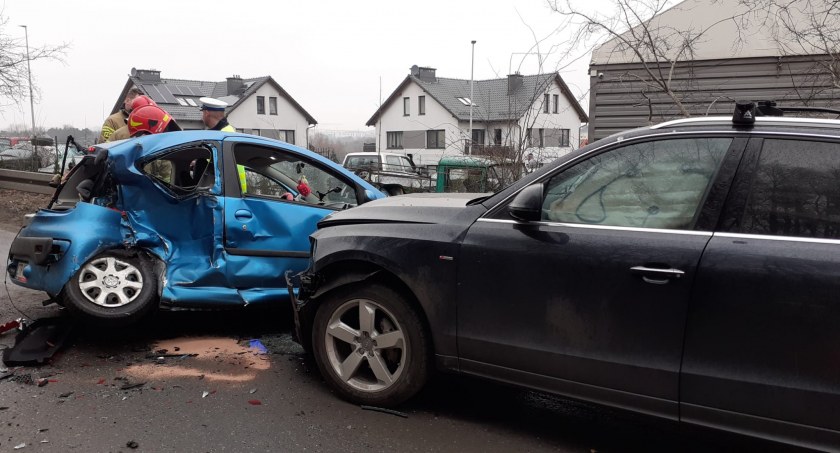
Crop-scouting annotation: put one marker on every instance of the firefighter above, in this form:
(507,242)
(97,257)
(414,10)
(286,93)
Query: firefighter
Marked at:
(117,120)
(150,119)
(122,133)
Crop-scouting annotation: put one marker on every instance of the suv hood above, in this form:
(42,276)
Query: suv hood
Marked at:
(414,208)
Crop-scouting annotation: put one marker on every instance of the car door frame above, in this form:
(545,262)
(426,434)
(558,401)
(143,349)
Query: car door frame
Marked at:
(706,382)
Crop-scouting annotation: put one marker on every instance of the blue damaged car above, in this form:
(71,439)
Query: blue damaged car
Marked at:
(194,219)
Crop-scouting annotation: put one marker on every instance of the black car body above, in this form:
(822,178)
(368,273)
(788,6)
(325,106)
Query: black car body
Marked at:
(689,270)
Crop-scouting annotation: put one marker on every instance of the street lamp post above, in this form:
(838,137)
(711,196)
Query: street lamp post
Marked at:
(29,74)
(472,67)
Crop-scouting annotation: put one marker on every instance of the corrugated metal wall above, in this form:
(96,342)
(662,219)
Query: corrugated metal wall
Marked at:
(621,99)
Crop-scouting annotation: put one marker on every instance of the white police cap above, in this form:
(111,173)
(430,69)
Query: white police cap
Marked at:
(213,104)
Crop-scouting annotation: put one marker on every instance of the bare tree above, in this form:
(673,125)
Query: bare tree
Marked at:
(802,27)
(634,29)
(14,85)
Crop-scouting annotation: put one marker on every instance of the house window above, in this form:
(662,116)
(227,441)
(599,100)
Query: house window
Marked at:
(564,137)
(421,105)
(395,140)
(286,136)
(406,106)
(546,101)
(497,136)
(260,105)
(436,139)
(555,105)
(538,141)
(272,106)
(478,136)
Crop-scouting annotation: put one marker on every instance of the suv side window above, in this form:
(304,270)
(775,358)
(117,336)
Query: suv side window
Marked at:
(655,184)
(795,191)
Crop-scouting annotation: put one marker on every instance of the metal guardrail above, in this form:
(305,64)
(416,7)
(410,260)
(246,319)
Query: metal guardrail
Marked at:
(26,181)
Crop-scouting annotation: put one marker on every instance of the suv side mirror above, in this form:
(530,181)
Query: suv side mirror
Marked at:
(526,206)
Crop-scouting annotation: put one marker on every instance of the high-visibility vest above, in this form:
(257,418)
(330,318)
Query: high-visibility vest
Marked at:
(242,182)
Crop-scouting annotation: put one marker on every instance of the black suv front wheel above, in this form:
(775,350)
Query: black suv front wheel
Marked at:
(371,345)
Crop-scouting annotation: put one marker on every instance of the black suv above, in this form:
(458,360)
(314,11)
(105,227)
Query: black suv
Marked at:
(688,270)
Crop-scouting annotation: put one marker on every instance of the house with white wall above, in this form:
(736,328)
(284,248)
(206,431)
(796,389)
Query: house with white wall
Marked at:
(428,117)
(258,106)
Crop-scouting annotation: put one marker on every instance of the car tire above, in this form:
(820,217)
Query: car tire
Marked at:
(113,287)
(394,191)
(349,349)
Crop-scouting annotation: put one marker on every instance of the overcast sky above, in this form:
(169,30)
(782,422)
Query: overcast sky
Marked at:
(328,54)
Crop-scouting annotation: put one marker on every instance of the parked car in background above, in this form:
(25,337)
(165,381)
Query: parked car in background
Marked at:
(476,174)
(687,270)
(394,173)
(197,219)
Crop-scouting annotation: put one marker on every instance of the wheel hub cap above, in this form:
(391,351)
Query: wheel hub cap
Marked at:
(366,344)
(111,281)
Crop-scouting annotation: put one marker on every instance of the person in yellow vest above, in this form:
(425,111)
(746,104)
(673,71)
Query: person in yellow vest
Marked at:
(118,119)
(213,116)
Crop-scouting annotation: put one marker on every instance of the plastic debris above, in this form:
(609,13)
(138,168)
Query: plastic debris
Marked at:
(204,394)
(384,411)
(38,342)
(19,446)
(9,326)
(252,391)
(257,344)
(255,402)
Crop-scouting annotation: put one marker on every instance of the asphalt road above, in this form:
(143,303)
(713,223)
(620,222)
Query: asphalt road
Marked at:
(109,391)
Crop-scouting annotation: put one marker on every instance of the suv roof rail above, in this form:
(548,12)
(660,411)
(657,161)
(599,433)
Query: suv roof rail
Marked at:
(746,111)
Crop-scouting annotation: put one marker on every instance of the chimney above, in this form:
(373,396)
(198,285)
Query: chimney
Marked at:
(146,75)
(235,85)
(424,74)
(514,82)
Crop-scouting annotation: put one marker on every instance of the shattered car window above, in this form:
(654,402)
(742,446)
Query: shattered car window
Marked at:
(183,171)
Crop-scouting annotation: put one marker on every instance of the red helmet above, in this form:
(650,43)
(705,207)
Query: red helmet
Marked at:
(149,119)
(141,101)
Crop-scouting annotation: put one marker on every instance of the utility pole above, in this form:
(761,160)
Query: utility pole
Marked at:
(29,73)
(472,67)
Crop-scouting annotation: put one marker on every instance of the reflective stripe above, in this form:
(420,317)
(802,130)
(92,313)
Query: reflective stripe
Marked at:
(228,128)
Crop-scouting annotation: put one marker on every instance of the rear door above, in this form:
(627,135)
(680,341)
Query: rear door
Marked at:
(267,225)
(762,350)
(591,301)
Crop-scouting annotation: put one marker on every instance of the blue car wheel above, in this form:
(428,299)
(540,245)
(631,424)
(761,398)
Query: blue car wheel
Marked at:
(114,286)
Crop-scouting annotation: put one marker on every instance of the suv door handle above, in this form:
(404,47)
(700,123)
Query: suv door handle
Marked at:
(657,276)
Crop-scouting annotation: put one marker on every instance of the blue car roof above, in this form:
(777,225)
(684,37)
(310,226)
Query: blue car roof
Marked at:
(156,142)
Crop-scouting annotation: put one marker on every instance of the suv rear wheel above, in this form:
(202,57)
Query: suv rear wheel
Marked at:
(371,345)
